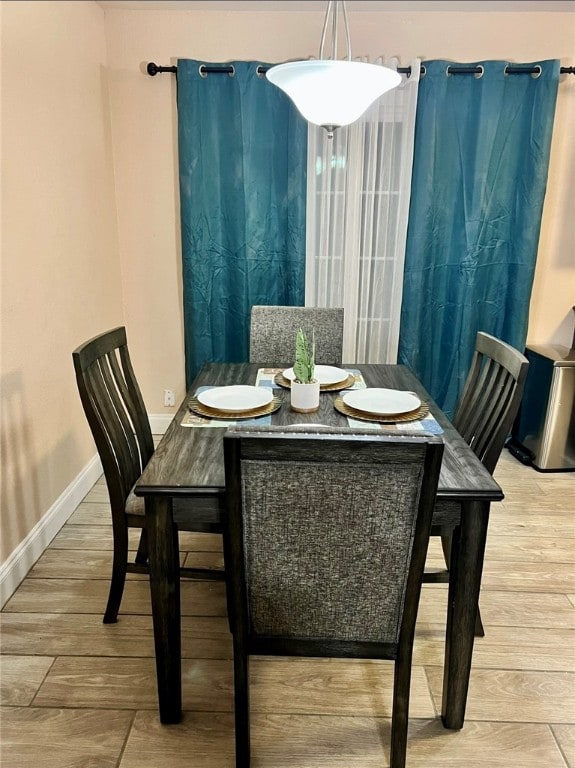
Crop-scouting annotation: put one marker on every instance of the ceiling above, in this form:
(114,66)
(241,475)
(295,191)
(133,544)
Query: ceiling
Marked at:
(487,6)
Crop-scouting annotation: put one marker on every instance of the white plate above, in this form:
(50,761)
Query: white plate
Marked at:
(325,374)
(382,401)
(236,399)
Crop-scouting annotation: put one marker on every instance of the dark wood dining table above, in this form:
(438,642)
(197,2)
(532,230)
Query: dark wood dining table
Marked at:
(188,468)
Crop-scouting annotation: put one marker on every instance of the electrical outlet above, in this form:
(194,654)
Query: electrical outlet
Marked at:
(169,397)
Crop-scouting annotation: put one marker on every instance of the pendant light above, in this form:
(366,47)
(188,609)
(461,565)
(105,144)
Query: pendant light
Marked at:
(330,92)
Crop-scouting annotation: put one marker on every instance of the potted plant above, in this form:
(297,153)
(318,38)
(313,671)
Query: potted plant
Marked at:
(304,388)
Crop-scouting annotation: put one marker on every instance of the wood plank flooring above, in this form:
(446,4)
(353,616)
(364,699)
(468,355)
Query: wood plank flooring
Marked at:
(76,693)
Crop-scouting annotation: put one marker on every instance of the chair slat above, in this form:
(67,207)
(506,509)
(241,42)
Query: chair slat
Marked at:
(125,436)
(485,399)
(135,405)
(495,415)
(91,386)
(133,464)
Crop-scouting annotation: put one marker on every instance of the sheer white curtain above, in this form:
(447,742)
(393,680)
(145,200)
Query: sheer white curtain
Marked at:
(358,193)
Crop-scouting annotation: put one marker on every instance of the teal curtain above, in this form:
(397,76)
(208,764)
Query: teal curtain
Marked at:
(479,175)
(242,161)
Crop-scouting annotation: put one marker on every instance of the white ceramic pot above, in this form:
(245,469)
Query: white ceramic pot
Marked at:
(305,397)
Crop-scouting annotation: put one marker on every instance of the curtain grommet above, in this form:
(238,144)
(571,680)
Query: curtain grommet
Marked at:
(260,72)
(535,72)
(203,70)
(478,71)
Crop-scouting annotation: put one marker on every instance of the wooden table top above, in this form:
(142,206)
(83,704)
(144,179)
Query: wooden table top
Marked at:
(189,460)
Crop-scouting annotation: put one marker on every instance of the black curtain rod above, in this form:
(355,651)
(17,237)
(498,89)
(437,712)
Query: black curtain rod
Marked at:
(154,69)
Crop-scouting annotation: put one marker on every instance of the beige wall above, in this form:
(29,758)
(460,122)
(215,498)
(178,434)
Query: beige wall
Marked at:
(60,264)
(145,143)
(90,240)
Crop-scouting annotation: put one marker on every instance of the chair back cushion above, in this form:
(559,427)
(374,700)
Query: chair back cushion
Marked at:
(324,527)
(273,332)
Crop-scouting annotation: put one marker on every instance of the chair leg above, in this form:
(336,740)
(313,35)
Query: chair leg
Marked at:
(142,553)
(118,576)
(242,706)
(479,630)
(446,546)
(115,596)
(400,712)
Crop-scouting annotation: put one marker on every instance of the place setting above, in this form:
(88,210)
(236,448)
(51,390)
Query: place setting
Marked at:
(234,402)
(331,378)
(384,406)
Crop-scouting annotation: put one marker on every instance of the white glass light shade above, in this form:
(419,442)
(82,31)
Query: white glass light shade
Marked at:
(332,93)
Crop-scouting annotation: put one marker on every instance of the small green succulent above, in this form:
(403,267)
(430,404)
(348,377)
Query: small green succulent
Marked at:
(304,365)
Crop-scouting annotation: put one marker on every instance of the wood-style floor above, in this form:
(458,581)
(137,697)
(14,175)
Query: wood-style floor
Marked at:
(80,694)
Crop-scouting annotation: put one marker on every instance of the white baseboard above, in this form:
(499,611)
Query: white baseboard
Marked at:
(159,422)
(15,568)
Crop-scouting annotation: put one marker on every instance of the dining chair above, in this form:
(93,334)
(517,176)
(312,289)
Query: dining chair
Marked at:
(325,542)
(120,427)
(273,331)
(484,416)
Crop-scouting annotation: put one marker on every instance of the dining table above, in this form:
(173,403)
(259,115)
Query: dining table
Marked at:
(187,468)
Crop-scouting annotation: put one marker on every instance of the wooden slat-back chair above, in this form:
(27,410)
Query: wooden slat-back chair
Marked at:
(484,415)
(120,427)
(273,331)
(325,544)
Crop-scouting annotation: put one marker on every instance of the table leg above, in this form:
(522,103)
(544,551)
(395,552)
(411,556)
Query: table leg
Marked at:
(165,592)
(465,570)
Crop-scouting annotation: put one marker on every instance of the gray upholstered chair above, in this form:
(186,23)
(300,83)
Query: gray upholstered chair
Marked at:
(325,544)
(120,427)
(484,415)
(273,331)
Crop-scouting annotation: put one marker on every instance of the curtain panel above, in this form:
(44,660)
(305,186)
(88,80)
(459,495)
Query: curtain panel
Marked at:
(242,162)
(479,176)
(357,211)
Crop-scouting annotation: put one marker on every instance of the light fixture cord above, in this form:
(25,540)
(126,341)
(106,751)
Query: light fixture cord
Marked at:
(333,7)
(346,28)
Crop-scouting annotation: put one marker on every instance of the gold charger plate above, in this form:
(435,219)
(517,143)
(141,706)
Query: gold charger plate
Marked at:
(388,418)
(211,413)
(281,381)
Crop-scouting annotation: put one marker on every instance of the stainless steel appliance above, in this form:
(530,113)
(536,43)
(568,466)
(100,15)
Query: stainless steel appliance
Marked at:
(544,432)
